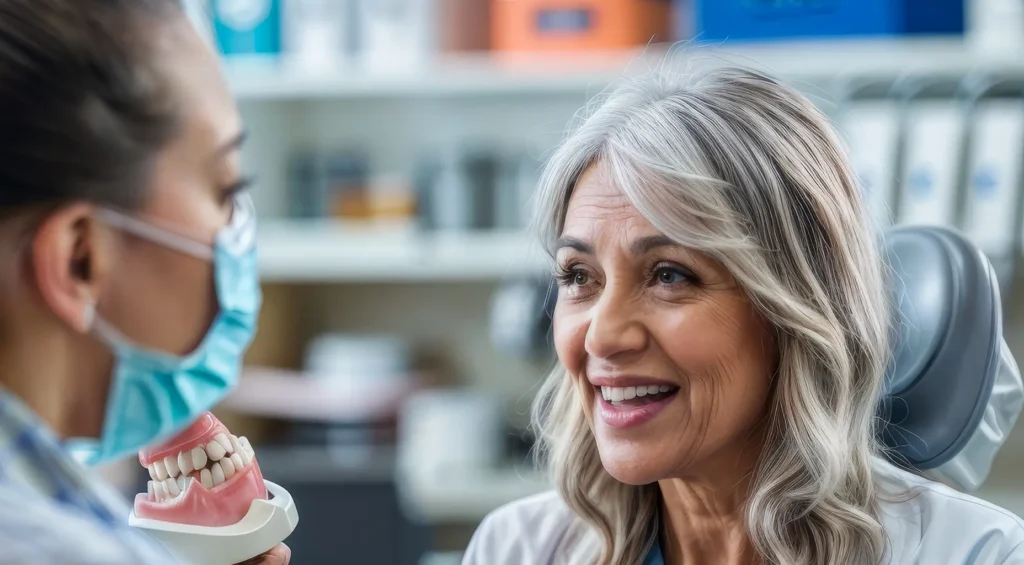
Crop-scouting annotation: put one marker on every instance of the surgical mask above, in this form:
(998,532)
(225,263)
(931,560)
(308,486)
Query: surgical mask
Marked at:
(968,470)
(154,395)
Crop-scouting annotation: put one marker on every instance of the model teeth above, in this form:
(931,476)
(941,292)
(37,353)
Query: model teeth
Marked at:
(185,464)
(206,479)
(215,451)
(198,458)
(236,461)
(159,471)
(211,464)
(171,464)
(229,467)
(618,394)
(218,474)
(172,487)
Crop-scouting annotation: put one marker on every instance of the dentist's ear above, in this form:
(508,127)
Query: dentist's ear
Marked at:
(70,256)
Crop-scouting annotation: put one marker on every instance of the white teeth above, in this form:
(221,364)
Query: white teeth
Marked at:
(238,461)
(215,450)
(181,482)
(206,478)
(244,442)
(244,455)
(171,463)
(161,490)
(618,394)
(160,470)
(228,466)
(217,473)
(198,458)
(172,487)
(152,471)
(150,490)
(224,442)
(185,464)
(236,446)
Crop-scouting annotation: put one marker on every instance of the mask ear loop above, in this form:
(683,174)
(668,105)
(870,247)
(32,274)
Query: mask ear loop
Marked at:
(155,234)
(93,324)
(88,316)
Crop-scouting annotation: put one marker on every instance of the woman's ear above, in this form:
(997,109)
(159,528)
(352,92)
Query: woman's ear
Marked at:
(70,257)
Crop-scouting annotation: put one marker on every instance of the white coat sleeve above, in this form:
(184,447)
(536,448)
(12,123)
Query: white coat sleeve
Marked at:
(481,549)
(525,532)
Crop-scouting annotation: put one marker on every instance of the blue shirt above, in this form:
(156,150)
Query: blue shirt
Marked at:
(55,511)
(654,557)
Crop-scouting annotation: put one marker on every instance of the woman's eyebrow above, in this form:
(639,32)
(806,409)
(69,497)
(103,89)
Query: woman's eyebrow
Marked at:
(642,245)
(573,243)
(234,143)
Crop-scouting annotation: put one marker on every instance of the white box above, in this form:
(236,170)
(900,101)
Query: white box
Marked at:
(872,130)
(929,187)
(316,34)
(396,35)
(994,175)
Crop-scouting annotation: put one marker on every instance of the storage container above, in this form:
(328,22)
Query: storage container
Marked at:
(247,27)
(720,20)
(578,25)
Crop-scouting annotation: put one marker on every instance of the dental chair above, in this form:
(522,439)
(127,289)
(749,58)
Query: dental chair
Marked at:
(953,391)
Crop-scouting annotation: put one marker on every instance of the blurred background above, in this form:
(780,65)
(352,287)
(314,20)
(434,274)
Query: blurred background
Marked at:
(396,144)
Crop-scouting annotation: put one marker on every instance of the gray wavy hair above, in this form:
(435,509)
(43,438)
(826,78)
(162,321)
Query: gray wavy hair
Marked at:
(746,170)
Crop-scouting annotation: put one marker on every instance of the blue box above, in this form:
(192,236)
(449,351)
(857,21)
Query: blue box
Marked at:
(247,27)
(721,20)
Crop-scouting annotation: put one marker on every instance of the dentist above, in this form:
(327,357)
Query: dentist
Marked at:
(128,282)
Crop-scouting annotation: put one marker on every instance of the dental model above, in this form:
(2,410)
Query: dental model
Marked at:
(207,502)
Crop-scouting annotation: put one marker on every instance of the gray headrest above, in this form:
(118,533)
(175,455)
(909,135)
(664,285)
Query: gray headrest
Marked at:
(948,345)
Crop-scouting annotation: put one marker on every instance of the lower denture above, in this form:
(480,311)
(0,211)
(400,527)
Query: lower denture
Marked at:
(209,454)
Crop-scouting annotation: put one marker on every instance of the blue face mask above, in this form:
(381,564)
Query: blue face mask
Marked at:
(154,395)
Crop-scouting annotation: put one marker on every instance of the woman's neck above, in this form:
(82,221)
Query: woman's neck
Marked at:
(701,523)
(703,515)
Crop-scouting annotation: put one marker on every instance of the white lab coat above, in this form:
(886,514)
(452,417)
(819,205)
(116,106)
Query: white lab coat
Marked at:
(933,525)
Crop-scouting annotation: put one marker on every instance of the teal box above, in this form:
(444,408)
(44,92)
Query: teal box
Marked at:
(247,27)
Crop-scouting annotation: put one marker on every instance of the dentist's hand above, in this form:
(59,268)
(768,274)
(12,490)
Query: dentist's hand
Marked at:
(280,555)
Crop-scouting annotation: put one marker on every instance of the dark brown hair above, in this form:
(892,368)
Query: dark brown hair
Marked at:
(83,110)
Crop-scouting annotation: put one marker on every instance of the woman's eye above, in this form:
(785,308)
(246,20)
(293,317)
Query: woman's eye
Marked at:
(669,276)
(580,278)
(228,193)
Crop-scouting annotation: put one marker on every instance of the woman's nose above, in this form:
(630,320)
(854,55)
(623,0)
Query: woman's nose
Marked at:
(614,328)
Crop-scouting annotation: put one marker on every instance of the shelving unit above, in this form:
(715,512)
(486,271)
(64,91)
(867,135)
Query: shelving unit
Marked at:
(481,75)
(325,252)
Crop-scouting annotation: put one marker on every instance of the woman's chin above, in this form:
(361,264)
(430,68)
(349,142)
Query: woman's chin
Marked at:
(633,468)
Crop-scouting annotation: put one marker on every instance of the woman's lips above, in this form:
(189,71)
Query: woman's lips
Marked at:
(631,410)
(205,477)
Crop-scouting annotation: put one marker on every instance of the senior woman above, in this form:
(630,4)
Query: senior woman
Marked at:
(722,328)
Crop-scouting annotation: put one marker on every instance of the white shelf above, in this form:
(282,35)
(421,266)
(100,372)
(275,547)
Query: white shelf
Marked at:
(814,61)
(322,252)
(467,497)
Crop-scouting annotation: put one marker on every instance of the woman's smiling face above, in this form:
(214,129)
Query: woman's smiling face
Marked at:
(674,361)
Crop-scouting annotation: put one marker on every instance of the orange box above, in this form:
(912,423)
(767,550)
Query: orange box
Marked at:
(578,25)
